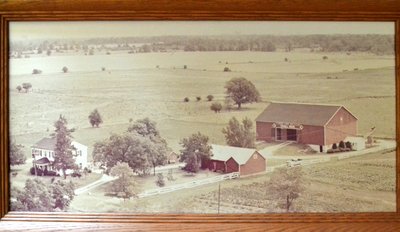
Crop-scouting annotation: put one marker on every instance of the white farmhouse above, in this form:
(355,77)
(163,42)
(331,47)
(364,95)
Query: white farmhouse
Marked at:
(43,155)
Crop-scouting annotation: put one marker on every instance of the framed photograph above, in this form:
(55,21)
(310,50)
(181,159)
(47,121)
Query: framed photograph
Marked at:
(167,115)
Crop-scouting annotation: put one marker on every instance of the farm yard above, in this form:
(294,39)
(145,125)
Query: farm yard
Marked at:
(135,86)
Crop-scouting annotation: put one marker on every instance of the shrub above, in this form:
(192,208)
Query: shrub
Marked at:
(210,97)
(186,99)
(349,145)
(19,88)
(39,171)
(334,146)
(198,98)
(286,59)
(65,69)
(26,86)
(36,71)
(103,69)
(160,180)
(185,66)
(341,144)
(226,69)
(216,107)
(324,57)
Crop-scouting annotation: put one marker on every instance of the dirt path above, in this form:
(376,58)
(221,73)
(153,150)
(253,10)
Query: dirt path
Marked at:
(103,180)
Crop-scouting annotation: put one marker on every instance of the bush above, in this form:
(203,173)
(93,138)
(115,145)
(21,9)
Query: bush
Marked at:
(324,57)
(349,145)
(334,146)
(103,69)
(216,107)
(226,69)
(186,99)
(341,145)
(65,69)
(198,98)
(286,59)
(160,180)
(76,174)
(210,97)
(19,88)
(36,71)
(39,171)
(185,66)
(26,86)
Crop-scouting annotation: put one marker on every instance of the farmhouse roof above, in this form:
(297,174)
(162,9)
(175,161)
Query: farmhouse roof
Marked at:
(299,113)
(43,160)
(46,143)
(224,153)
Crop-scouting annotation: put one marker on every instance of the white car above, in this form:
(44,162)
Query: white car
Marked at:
(293,163)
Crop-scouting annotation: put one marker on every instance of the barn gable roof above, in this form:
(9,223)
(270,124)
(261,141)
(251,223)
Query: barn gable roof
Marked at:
(224,153)
(299,113)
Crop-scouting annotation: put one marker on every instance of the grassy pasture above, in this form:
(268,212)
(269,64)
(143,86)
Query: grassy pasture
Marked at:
(121,95)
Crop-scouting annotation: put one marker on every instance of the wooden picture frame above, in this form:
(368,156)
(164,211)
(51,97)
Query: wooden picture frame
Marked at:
(302,10)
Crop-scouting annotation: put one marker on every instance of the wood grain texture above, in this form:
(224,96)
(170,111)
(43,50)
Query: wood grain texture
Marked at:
(199,227)
(330,10)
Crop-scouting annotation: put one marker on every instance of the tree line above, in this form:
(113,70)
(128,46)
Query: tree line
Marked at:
(374,43)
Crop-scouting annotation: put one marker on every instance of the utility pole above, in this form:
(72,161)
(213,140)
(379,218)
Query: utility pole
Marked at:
(219,196)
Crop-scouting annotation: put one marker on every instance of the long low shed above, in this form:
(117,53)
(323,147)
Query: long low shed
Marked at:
(227,159)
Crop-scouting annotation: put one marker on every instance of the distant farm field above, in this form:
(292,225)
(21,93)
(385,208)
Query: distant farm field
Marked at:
(132,87)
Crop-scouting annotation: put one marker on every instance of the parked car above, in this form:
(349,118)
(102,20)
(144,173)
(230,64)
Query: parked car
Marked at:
(293,162)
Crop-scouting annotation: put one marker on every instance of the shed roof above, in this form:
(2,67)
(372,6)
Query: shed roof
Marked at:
(299,113)
(46,143)
(224,153)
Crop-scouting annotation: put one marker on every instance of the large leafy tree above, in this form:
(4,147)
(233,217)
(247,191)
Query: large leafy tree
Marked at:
(242,91)
(63,156)
(125,183)
(62,193)
(286,185)
(17,156)
(127,148)
(195,145)
(155,146)
(95,118)
(39,196)
(240,135)
(140,152)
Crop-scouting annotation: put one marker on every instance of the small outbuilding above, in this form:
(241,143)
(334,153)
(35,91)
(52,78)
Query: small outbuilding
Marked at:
(227,159)
(316,125)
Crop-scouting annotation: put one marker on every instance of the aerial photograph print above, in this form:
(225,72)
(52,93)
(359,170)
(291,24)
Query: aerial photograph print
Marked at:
(203,117)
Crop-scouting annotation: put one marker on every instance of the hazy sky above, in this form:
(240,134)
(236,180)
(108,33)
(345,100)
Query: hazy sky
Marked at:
(34,30)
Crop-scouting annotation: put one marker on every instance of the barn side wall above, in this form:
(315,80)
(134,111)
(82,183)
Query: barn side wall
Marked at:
(263,131)
(255,164)
(311,135)
(231,166)
(216,165)
(342,125)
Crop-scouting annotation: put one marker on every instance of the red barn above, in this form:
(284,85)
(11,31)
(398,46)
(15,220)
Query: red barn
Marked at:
(319,126)
(229,159)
